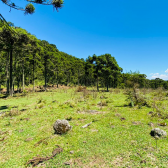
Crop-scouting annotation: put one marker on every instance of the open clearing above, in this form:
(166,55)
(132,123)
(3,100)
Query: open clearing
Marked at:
(119,135)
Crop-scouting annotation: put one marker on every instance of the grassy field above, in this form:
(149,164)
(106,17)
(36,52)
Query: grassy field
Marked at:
(119,135)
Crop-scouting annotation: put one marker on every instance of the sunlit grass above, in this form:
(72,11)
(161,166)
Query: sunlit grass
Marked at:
(109,141)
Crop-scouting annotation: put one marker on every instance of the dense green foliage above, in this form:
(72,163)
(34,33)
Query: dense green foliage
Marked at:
(27,60)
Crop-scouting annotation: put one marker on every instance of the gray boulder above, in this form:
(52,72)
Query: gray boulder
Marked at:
(157,132)
(61,126)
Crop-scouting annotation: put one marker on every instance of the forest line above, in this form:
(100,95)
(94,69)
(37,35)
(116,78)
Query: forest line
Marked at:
(25,59)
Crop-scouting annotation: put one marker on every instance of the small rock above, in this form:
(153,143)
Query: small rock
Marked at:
(92,111)
(61,126)
(28,139)
(151,124)
(136,122)
(84,141)
(67,163)
(157,132)
(21,130)
(94,130)
(71,152)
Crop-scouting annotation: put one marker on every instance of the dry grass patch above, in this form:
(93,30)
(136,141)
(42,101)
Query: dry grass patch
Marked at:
(96,162)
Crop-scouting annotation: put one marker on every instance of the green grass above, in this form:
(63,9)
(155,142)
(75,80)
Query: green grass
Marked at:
(107,142)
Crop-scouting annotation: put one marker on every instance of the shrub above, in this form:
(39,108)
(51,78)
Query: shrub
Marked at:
(134,97)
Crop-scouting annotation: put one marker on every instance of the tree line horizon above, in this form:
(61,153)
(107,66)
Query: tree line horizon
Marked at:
(25,59)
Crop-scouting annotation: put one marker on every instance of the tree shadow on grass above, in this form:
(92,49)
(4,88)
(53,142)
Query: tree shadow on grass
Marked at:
(2,96)
(3,107)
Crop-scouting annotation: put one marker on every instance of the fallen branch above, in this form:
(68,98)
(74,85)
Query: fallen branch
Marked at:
(36,160)
(86,125)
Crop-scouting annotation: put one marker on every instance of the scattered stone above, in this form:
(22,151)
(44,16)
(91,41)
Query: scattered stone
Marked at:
(71,152)
(136,122)
(151,124)
(21,130)
(61,126)
(92,111)
(67,163)
(157,132)
(94,130)
(28,139)
(86,125)
(84,141)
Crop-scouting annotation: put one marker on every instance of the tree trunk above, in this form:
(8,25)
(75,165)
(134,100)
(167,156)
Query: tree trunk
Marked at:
(18,85)
(11,70)
(45,73)
(7,74)
(57,79)
(29,77)
(107,87)
(98,84)
(78,77)
(23,77)
(33,74)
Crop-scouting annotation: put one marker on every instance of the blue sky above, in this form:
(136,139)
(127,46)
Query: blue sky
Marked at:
(135,32)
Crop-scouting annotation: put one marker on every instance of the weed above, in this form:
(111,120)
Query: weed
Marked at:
(134,97)
(41,105)
(94,95)
(12,112)
(41,100)
(102,103)
(116,91)
(67,104)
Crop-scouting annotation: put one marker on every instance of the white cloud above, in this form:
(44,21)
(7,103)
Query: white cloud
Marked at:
(157,75)
(166,71)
